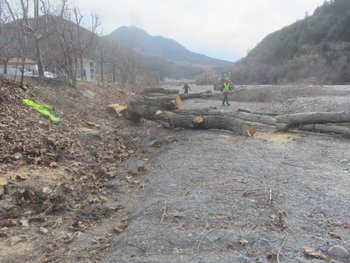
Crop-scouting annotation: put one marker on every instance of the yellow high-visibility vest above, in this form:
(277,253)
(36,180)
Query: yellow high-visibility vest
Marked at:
(226,87)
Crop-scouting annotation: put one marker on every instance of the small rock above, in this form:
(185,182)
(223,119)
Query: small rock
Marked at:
(43,230)
(47,190)
(338,251)
(24,222)
(17,156)
(346,245)
(301,260)
(53,165)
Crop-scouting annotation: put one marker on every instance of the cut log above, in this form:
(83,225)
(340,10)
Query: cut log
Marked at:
(257,113)
(146,107)
(189,121)
(206,94)
(202,111)
(289,120)
(268,120)
(160,91)
(326,128)
(116,109)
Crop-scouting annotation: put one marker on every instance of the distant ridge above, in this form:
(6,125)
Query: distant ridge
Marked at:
(158,46)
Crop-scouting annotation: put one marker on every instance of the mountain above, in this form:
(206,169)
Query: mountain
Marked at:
(313,50)
(158,46)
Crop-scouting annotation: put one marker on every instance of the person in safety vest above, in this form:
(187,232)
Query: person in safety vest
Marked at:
(226,87)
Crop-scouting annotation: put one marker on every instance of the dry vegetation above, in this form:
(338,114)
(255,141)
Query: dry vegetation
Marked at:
(55,175)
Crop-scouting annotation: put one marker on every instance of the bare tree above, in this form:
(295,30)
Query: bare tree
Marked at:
(6,36)
(85,40)
(31,25)
(108,58)
(34,16)
(20,40)
(74,42)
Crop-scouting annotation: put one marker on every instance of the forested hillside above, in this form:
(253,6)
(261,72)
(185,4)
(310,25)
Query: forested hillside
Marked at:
(313,50)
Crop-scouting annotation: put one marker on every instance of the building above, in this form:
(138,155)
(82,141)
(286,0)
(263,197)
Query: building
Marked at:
(89,70)
(14,66)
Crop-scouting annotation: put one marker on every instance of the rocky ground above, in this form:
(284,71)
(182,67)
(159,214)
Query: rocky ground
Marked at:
(97,188)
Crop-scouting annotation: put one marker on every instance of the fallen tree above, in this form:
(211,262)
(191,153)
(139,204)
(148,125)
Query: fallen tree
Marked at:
(251,117)
(153,106)
(162,105)
(145,106)
(329,128)
(206,121)
(159,90)
(205,94)
(284,122)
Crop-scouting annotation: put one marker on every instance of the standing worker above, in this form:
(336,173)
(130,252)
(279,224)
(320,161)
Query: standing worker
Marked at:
(186,88)
(226,87)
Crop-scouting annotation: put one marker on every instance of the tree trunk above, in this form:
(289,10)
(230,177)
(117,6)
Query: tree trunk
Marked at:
(146,107)
(5,66)
(189,121)
(289,120)
(183,96)
(39,59)
(157,91)
(113,73)
(268,120)
(205,94)
(326,128)
(102,74)
(81,63)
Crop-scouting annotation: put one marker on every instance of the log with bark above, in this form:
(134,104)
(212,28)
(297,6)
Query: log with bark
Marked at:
(145,106)
(206,121)
(283,122)
(165,107)
(160,91)
(205,94)
(251,117)
(155,92)
(329,128)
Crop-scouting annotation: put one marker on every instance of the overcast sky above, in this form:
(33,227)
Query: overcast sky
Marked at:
(224,29)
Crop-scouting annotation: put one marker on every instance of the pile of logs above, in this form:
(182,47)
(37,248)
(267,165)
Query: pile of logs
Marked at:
(164,105)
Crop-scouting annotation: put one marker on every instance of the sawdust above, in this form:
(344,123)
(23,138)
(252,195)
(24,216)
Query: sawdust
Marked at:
(275,137)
